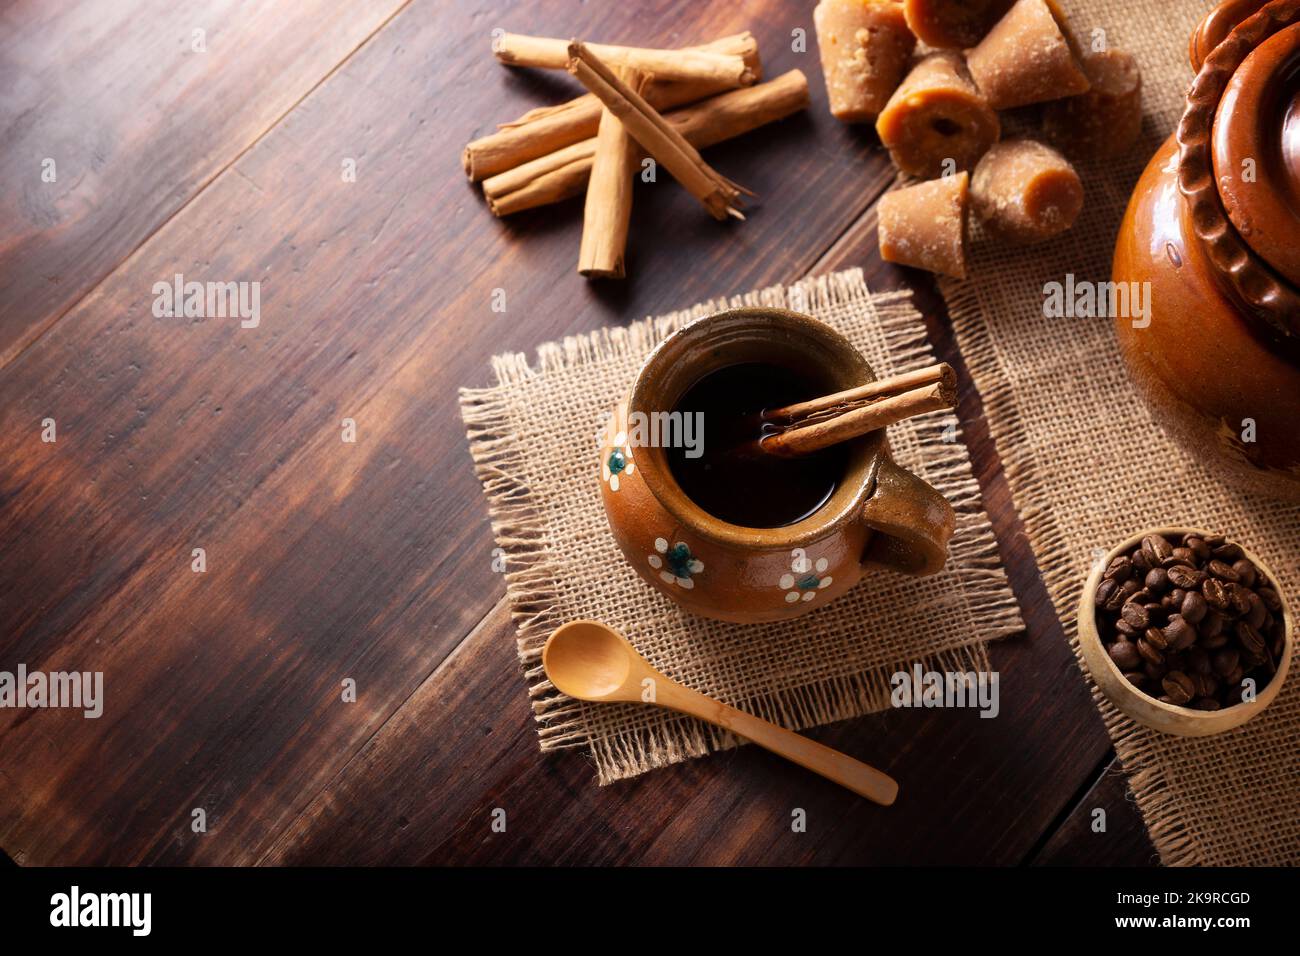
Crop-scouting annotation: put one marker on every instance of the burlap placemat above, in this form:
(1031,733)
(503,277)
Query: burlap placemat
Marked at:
(533,438)
(1087,466)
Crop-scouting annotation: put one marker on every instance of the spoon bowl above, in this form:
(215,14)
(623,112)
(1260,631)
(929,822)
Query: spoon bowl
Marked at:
(589,661)
(592,661)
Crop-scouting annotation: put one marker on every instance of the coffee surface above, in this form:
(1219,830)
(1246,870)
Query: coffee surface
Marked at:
(733,481)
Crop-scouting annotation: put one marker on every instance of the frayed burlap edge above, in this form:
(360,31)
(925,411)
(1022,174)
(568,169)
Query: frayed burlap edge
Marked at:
(531,574)
(1161,812)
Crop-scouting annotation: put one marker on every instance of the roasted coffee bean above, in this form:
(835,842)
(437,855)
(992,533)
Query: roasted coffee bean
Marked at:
(1206,703)
(1125,655)
(1222,571)
(1158,545)
(1212,642)
(1127,629)
(1105,589)
(1154,671)
(1198,547)
(1246,572)
(1157,581)
(1234,677)
(1179,687)
(1179,633)
(1120,569)
(1141,562)
(1227,552)
(1212,623)
(1238,599)
(1181,556)
(1198,660)
(1232,696)
(1225,661)
(1136,678)
(1270,599)
(1149,652)
(1216,595)
(1251,641)
(1189,579)
(1194,608)
(1156,638)
(1258,614)
(1135,615)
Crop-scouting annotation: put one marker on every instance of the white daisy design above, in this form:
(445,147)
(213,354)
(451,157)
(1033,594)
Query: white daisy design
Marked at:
(676,565)
(804,587)
(617,462)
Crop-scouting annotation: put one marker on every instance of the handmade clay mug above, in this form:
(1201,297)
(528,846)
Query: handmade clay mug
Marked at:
(879,515)
(1214,227)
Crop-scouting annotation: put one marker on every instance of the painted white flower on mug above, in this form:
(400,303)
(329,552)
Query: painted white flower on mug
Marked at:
(676,564)
(617,462)
(804,587)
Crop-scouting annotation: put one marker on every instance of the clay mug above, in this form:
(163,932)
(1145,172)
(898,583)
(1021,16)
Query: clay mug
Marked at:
(879,515)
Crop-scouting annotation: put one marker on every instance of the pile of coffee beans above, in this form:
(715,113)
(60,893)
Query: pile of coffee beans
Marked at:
(1188,623)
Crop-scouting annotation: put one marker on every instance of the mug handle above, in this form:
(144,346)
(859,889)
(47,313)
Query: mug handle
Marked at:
(912,523)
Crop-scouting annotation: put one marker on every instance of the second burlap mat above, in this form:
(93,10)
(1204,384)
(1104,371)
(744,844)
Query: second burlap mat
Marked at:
(533,438)
(1087,466)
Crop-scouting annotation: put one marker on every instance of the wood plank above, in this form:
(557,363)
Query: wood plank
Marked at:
(137,121)
(1123,842)
(325,560)
(973,791)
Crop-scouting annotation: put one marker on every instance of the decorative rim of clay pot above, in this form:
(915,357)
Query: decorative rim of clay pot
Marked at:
(1274,301)
(846,503)
(1147,710)
(1216,26)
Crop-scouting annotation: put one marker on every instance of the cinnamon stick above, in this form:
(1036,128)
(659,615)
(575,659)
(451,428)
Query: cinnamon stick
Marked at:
(563,173)
(550,128)
(609,194)
(940,373)
(891,401)
(720,196)
(729,70)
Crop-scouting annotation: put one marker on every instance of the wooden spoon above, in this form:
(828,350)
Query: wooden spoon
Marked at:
(591,661)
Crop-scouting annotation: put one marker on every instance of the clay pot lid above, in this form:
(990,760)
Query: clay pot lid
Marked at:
(1245,105)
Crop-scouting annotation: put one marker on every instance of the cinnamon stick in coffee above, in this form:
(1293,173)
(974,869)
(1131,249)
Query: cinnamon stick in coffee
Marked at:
(609,194)
(831,419)
(550,128)
(563,173)
(720,196)
(690,65)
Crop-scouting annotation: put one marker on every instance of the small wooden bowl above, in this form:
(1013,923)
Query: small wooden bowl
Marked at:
(1169,718)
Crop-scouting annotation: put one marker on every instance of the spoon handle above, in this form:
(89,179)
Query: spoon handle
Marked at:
(862,779)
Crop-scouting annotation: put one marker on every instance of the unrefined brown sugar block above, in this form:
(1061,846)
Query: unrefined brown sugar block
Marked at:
(953,24)
(925,225)
(935,116)
(1025,192)
(1106,121)
(1030,56)
(865,46)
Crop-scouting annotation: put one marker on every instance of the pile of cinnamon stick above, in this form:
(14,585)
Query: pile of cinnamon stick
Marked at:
(597,142)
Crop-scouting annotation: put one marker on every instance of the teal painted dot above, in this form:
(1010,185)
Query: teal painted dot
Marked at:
(808,582)
(679,559)
(617,462)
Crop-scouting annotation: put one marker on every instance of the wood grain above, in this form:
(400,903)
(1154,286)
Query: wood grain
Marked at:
(1123,842)
(137,120)
(326,560)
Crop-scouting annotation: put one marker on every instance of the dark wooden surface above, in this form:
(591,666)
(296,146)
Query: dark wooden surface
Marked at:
(372,561)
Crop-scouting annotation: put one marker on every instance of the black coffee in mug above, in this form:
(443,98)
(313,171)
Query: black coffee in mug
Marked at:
(733,481)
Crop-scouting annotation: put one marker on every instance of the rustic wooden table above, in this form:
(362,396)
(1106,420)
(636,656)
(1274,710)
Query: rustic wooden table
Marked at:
(220,155)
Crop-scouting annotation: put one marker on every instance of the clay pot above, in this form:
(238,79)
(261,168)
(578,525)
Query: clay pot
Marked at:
(879,516)
(1214,226)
